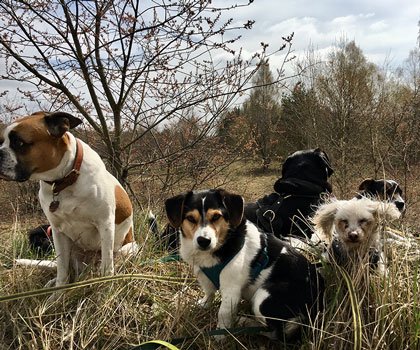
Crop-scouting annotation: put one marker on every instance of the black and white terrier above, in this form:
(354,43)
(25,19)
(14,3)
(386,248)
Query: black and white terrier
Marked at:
(229,253)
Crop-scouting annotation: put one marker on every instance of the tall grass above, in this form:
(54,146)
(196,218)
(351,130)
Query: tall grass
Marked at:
(122,313)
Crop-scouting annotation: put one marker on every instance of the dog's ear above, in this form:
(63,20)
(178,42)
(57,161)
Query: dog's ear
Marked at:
(324,217)
(174,209)
(326,160)
(385,210)
(60,122)
(234,203)
(366,184)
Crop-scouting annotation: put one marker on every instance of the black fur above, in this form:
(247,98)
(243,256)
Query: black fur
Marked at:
(383,190)
(39,241)
(293,285)
(302,186)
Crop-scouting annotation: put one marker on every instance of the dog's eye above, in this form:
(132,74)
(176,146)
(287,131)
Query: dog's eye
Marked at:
(191,219)
(362,221)
(216,217)
(345,223)
(17,143)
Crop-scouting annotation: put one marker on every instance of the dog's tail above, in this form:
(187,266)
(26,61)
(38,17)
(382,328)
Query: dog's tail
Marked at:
(152,223)
(42,264)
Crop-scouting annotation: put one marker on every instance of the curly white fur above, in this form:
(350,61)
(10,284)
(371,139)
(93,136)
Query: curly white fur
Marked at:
(353,226)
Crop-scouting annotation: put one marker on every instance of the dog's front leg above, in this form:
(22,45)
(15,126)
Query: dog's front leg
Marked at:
(227,310)
(107,231)
(208,288)
(63,246)
(228,307)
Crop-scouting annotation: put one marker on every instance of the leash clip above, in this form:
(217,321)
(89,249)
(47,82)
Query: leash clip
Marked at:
(273,215)
(325,196)
(54,194)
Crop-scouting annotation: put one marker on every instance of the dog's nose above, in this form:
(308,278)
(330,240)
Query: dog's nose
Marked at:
(400,205)
(203,242)
(353,236)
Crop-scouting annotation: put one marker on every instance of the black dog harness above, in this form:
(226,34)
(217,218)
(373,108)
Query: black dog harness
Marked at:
(270,205)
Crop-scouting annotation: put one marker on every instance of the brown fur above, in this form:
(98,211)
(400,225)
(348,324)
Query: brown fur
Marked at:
(123,207)
(219,226)
(189,227)
(49,150)
(129,238)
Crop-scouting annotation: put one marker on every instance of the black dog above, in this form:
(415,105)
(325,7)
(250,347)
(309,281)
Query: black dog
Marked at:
(303,185)
(168,238)
(41,240)
(383,190)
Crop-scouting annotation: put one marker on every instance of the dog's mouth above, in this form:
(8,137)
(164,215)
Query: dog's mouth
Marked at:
(5,177)
(17,179)
(352,243)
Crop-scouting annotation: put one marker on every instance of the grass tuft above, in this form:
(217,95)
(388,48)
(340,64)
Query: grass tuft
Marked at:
(121,314)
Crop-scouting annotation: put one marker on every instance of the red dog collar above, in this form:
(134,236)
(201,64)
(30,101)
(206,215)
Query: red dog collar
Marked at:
(69,179)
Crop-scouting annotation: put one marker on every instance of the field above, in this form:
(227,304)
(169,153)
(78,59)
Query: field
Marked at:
(159,301)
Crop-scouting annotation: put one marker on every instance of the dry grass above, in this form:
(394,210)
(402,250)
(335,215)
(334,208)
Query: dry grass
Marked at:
(124,313)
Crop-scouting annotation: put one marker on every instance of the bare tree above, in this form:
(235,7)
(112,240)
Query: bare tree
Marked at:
(255,126)
(128,66)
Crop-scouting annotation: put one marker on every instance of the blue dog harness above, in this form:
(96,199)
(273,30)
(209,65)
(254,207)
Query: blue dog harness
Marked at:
(261,261)
(213,273)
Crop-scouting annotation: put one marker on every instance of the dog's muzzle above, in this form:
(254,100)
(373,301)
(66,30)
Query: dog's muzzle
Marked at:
(353,237)
(8,166)
(4,165)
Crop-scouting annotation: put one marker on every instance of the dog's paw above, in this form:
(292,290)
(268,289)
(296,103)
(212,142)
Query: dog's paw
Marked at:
(50,283)
(204,303)
(54,297)
(218,338)
(244,321)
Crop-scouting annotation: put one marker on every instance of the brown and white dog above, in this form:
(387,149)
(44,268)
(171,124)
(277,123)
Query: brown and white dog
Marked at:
(87,208)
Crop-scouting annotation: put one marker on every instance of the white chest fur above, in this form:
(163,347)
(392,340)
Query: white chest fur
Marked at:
(85,206)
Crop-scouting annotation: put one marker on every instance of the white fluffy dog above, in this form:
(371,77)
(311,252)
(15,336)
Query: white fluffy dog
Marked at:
(352,229)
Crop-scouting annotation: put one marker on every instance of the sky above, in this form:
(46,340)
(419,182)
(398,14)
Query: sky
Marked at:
(385,30)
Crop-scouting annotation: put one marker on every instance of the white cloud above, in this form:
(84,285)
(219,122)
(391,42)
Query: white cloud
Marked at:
(382,29)
(379,26)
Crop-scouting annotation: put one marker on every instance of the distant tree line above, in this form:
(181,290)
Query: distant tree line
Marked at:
(366,118)
(157,103)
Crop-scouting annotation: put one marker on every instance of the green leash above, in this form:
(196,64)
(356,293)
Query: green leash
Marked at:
(155,344)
